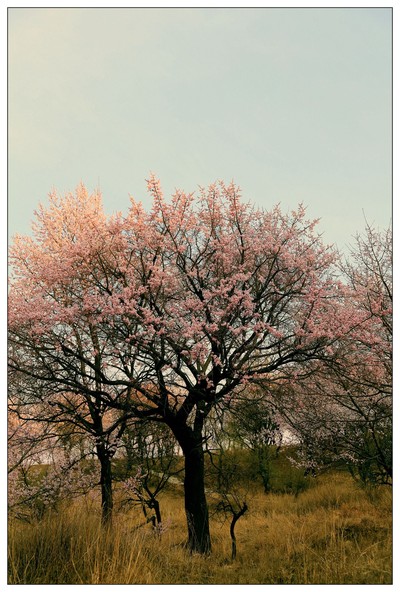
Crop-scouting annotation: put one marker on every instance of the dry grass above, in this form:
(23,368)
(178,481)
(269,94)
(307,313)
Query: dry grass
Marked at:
(333,533)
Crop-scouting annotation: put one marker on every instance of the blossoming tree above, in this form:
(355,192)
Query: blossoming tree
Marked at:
(344,409)
(47,310)
(166,314)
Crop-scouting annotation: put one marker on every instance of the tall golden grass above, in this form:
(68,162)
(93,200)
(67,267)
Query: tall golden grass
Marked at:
(332,533)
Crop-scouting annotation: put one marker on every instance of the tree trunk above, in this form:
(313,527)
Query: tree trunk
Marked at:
(195,500)
(106,487)
(191,442)
(235,518)
(157,511)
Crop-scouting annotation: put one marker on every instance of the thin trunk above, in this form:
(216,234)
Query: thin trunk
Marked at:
(235,518)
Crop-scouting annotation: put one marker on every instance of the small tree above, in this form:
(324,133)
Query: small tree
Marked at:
(230,495)
(152,461)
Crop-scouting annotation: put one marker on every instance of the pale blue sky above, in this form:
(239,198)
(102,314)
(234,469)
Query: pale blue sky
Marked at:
(293,104)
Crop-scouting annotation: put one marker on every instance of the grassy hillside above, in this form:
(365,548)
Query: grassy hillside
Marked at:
(333,532)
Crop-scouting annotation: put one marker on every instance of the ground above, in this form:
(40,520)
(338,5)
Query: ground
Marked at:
(333,532)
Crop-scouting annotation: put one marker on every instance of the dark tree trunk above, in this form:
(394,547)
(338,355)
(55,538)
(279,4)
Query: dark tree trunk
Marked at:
(195,501)
(191,442)
(106,487)
(152,504)
(236,516)
(157,511)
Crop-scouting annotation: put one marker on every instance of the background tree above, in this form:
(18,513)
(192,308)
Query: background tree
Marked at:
(255,425)
(76,423)
(344,410)
(177,309)
(55,348)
